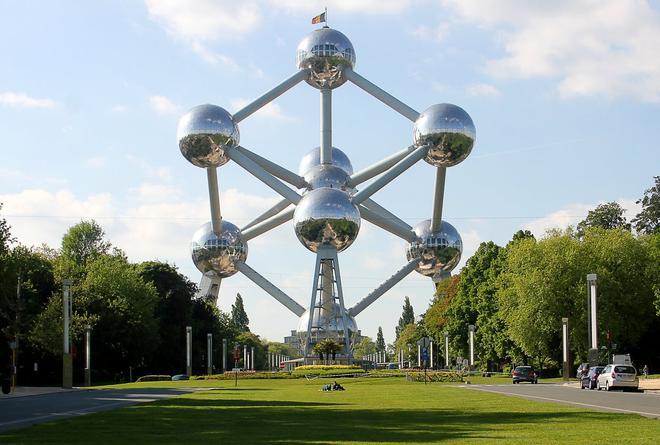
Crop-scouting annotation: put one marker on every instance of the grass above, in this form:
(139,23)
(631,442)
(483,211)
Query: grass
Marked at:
(390,411)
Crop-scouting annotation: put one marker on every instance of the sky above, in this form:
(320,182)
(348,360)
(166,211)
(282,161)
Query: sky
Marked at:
(565,97)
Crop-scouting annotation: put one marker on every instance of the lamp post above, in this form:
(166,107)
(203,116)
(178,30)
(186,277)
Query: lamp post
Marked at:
(209,353)
(446,350)
(189,350)
(564,332)
(471,333)
(224,354)
(88,355)
(67,361)
(592,311)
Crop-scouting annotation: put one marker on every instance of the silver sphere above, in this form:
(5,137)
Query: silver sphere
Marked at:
(204,133)
(325,52)
(333,324)
(328,176)
(313,158)
(448,131)
(218,254)
(437,252)
(326,216)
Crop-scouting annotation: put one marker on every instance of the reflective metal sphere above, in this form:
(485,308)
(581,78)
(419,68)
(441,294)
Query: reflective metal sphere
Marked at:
(211,253)
(328,176)
(325,52)
(326,216)
(332,324)
(204,133)
(313,158)
(449,132)
(437,252)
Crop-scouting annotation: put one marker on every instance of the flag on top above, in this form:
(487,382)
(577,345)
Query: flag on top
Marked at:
(319,18)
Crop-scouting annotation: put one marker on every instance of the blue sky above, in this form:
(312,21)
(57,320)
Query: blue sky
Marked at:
(565,98)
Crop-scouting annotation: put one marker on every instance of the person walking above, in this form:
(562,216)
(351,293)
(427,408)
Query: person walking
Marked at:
(645,371)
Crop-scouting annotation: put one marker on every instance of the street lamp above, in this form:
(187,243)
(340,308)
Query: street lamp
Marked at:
(189,350)
(592,310)
(564,332)
(446,350)
(471,333)
(67,360)
(88,357)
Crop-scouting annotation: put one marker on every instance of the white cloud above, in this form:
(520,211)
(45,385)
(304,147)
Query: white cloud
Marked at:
(270,111)
(96,162)
(572,214)
(483,89)
(162,105)
(204,20)
(592,47)
(436,33)
(212,57)
(375,7)
(151,170)
(21,100)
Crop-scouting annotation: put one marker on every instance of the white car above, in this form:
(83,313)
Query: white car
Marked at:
(618,376)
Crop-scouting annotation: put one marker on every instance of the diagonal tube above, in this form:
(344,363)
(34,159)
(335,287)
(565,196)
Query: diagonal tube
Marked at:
(277,208)
(390,225)
(260,173)
(270,288)
(270,96)
(386,178)
(274,169)
(379,167)
(267,225)
(381,95)
(214,199)
(380,290)
(383,212)
(438,198)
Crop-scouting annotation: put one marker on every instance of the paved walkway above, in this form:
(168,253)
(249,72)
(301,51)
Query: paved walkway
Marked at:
(32,406)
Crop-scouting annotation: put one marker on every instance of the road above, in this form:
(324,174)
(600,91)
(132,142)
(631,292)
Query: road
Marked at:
(645,404)
(19,412)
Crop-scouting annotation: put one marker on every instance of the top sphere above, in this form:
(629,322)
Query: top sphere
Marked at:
(204,133)
(313,159)
(325,52)
(448,131)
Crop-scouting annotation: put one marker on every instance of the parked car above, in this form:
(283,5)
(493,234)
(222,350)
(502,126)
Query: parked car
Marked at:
(582,370)
(524,374)
(618,376)
(180,377)
(590,380)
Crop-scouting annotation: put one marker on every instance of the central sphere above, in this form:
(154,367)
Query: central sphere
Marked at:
(438,251)
(204,133)
(448,131)
(326,216)
(313,158)
(325,52)
(218,254)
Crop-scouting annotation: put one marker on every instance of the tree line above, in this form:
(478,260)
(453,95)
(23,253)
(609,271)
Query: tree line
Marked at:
(516,295)
(138,312)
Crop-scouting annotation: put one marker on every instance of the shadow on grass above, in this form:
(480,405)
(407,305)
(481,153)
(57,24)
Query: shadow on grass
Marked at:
(200,420)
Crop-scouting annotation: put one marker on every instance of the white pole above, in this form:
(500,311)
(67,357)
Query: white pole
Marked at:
(594,322)
(252,357)
(446,350)
(431,347)
(245,357)
(189,350)
(419,355)
(209,353)
(471,330)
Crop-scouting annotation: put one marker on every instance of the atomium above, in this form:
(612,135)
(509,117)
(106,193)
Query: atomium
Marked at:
(448,131)
(215,254)
(329,199)
(325,52)
(205,133)
(326,216)
(438,251)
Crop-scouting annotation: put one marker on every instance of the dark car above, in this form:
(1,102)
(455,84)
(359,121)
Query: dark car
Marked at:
(582,370)
(590,380)
(524,374)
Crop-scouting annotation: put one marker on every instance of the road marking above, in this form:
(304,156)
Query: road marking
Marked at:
(607,408)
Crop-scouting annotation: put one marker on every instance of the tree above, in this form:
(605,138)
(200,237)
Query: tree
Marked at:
(407,340)
(326,348)
(407,317)
(648,220)
(239,316)
(605,216)
(5,236)
(366,346)
(380,340)
(82,243)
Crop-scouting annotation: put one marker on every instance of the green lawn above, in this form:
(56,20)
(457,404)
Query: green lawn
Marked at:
(384,410)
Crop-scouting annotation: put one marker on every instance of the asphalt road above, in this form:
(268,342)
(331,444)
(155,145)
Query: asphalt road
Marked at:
(20,412)
(645,404)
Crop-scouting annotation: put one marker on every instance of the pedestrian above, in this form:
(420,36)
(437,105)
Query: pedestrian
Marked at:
(645,371)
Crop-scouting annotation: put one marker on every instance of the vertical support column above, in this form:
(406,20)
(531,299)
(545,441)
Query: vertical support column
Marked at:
(252,358)
(67,360)
(438,199)
(342,307)
(592,310)
(189,350)
(310,311)
(326,126)
(88,355)
(209,353)
(214,199)
(446,350)
(224,355)
(471,333)
(564,334)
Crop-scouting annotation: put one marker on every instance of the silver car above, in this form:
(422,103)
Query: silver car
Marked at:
(618,376)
